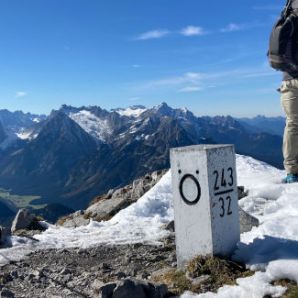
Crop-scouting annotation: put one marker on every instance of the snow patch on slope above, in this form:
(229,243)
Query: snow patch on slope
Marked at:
(26,134)
(131,111)
(93,125)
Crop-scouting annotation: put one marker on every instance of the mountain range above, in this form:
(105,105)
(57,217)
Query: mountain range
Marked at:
(75,154)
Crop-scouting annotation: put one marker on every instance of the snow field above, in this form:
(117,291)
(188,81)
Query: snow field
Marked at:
(270,249)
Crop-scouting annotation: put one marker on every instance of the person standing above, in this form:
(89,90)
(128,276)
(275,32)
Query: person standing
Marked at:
(283,56)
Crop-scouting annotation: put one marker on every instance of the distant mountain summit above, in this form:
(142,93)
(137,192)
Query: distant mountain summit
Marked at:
(75,153)
(272,125)
(18,126)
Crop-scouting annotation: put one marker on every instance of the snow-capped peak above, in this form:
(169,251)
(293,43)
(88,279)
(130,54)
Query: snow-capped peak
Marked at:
(133,111)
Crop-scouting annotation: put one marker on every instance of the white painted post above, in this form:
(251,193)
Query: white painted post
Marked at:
(205,201)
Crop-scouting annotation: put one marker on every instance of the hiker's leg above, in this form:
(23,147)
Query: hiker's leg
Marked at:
(289,101)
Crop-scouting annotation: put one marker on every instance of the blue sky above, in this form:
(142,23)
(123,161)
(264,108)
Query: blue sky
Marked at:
(208,56)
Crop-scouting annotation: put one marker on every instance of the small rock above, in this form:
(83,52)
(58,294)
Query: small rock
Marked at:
(133,288)
(247,221)
(5,293)
(106,291)
(104,266)
(120,274)
(161,272)
(198,280)
(241,192)
(170,226)
(65,271)
(7,278)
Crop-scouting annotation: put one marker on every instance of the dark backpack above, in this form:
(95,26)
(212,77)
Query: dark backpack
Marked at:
(283,46)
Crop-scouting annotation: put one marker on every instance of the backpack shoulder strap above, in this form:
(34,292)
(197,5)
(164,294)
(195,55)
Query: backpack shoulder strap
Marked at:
(287,8)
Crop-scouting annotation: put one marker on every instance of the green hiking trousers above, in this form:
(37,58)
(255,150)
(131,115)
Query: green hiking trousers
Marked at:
(289,102)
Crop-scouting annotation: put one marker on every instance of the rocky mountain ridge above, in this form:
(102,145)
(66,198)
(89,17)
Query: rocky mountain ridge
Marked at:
(271,125)
(76,154)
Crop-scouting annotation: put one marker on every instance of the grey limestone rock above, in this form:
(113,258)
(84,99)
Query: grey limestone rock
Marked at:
(247,221)
(106,206)
(5,293)
(23,221)
(133,288)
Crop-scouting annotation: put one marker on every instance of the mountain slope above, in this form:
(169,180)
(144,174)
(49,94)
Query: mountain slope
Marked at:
(43,165)
(2,133)
(261,145)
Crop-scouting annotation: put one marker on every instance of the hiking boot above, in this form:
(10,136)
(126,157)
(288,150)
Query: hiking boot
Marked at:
(290,178)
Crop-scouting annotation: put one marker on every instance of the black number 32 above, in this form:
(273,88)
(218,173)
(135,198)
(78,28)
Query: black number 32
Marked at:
(225,210)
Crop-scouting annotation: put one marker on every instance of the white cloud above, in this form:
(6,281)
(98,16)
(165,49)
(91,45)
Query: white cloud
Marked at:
(189,89)
(197,81)
(187,82)
(192,31)
(193,75)
(231,28)
(154,34)
(20,94)
(186,78)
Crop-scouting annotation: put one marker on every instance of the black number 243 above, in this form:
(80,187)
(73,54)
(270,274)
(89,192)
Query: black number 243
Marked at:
(223,181)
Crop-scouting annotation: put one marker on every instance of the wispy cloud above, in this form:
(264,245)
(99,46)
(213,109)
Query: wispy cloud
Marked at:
(20,94)
(197,81)
(231,28)
(160,33)
(186,82)
(153,34)
(136,65)
(186,78)
(192,31)
(189,89)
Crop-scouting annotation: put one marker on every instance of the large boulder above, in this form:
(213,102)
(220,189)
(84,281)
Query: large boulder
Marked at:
(133,288)
(23,221)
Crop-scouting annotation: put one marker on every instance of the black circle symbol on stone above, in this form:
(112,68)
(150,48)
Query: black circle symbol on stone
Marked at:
(194,179)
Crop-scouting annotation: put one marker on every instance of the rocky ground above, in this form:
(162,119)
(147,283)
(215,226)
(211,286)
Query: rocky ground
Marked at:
(90,272)
(82,272)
